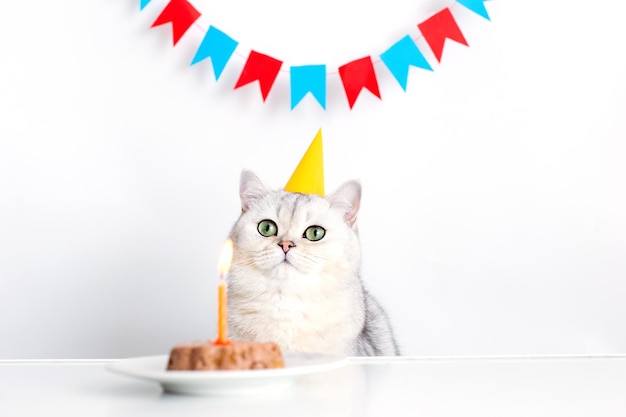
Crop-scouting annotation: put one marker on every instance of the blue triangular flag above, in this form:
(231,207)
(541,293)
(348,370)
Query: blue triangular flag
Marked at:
(143,3)
(217,45)
(308,79)
(400,56)
(477,6)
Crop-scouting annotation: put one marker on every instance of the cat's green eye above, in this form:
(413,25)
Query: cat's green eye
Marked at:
(314,233)
(267,228)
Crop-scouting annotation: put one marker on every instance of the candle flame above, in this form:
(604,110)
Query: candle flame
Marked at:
(226,257)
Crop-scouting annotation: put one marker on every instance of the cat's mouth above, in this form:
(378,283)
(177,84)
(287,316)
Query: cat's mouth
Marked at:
(286,263)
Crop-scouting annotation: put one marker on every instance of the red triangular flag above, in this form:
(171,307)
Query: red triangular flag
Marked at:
(181,14)
(439,27)
(261,68)
(356,76)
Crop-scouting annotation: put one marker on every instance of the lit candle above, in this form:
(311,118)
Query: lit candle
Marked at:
(222,304)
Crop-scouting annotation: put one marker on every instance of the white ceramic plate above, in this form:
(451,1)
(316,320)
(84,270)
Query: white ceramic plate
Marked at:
(153,368)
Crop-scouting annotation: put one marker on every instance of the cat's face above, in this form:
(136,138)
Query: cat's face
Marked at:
(283,235)
(294,277)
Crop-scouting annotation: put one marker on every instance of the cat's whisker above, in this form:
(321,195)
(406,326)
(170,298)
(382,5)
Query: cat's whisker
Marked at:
(313,258)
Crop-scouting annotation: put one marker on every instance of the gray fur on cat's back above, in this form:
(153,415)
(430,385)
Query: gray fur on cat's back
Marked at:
(376,337)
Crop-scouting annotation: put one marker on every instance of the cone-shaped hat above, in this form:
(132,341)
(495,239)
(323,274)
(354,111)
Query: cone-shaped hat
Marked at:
(308,177)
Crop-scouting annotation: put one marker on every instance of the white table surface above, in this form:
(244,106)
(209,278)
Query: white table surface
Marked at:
(547,386)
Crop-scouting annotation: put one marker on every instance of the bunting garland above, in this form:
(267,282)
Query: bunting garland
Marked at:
(261,68)
(438,28)
(181,14)
(400,56)
(308,79)
(218,46)
(355,75)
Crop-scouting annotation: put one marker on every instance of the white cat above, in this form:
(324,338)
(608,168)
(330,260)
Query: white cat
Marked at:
(294,278)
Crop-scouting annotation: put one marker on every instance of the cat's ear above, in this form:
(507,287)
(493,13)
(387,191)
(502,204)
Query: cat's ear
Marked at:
(251,188)
(347,199)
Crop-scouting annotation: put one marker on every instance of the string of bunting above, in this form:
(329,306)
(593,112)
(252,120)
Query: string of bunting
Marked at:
(356,75)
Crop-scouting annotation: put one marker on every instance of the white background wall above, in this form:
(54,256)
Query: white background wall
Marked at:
(494,195)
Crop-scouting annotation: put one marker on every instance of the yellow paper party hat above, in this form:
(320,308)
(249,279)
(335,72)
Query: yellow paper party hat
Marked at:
(308,177)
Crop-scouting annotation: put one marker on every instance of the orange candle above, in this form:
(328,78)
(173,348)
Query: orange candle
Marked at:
(222,298)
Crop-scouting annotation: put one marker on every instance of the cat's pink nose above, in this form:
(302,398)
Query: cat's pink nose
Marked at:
(286,245)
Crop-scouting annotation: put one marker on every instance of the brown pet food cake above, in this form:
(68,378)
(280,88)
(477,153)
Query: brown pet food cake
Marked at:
(233,356)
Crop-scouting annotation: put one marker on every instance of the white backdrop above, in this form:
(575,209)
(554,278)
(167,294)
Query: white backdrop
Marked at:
(494,196)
